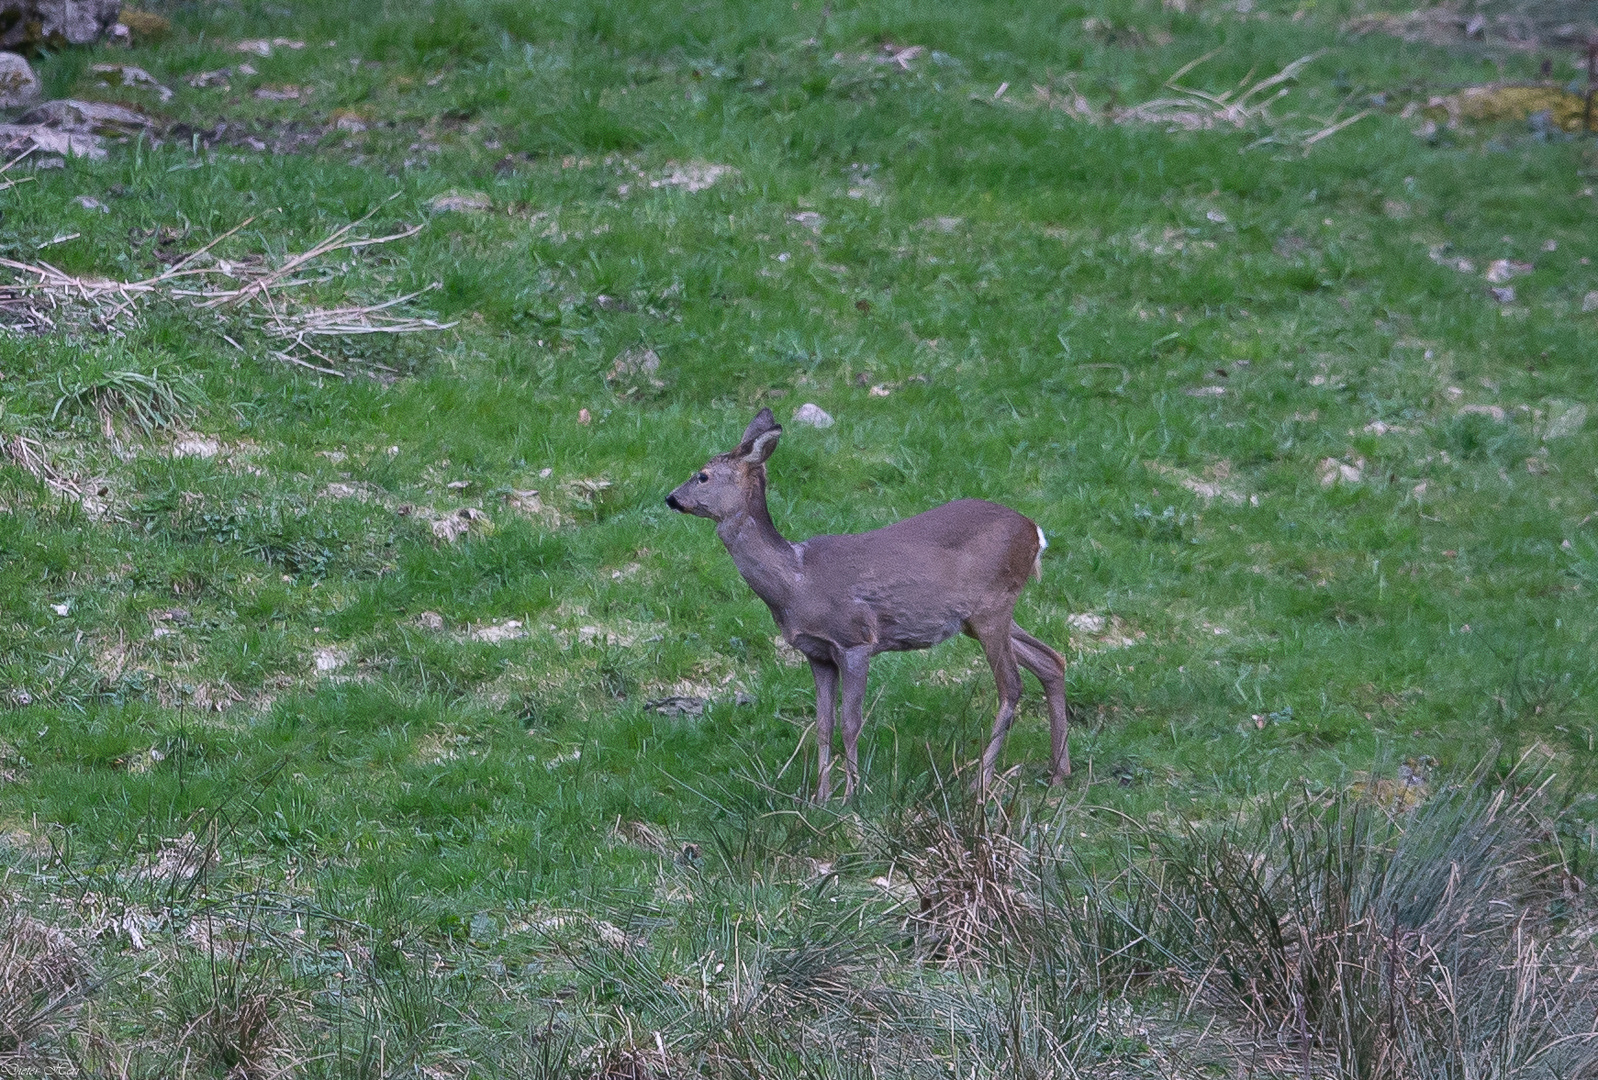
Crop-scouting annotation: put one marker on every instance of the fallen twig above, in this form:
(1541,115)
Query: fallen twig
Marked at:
(41,287)
(1245,106)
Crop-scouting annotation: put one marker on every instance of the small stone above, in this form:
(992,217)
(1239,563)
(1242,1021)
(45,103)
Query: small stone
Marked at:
(584,417)
(454,526)
(526,502)
(694,176)
(635,369)
(92,204)
(509,630)
(19,86)
(130,76)
(1495,411)
(430,620)
(1590,302)
(255,47)
(677,705)
(205,79)
(1504,294)
(1501,270)
(62,610)
(1333,472)
(196,446)
(813,415)
(460,202)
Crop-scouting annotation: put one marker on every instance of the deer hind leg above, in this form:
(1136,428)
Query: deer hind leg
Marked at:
(854,667)
(1000,651)
(1049,667)
(826,675)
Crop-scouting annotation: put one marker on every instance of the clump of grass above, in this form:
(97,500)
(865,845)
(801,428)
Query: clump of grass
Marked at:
(149,402)
(1360,944)
(43,976)
(974,875)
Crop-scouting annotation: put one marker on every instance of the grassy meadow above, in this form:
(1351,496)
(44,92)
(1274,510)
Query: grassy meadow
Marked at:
(364,711)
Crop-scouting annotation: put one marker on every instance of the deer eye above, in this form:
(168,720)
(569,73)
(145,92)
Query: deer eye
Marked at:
(703,478)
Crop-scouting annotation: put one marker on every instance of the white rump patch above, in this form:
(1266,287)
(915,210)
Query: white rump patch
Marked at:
(1037,562)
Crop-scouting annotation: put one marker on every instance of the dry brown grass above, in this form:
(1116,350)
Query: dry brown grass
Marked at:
(44,976)
(251,292)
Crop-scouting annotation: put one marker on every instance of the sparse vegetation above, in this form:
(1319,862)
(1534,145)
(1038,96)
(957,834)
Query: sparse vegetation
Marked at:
(363,713)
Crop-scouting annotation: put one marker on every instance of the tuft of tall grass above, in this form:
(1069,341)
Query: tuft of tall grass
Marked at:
(1444,941)
(44,975)
(148,401)
(974,875)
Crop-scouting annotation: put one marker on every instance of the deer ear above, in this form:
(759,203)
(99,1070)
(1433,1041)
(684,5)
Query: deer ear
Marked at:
(761,448)
(762,423)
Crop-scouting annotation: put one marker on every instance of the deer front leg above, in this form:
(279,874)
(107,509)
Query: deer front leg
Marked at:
(855,663)
(826,675)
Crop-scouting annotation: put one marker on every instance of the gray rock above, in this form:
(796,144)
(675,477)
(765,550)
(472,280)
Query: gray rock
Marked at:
(812,414)
(87,117)
(30,23)
(19,86)
(19,138)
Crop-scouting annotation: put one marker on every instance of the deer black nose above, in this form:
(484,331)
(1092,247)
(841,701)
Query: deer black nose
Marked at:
(671,501)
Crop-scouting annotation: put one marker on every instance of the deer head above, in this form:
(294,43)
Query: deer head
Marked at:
(733,481)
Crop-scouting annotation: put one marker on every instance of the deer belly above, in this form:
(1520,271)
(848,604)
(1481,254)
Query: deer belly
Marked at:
(904,634)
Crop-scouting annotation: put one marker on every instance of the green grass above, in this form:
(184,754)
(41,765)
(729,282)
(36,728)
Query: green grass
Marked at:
(1040,295)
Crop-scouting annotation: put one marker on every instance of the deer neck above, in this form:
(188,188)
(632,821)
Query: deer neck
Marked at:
(767,562)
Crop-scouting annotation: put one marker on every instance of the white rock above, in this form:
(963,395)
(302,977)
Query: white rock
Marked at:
(196,446)
(509,630)
(694,176)
(1567,423)
(128,75)
(812,414)
(460,202)
(19,86)
(1333,472)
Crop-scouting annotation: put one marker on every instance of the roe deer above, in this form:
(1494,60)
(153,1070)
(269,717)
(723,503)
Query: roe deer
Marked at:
(840,600)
